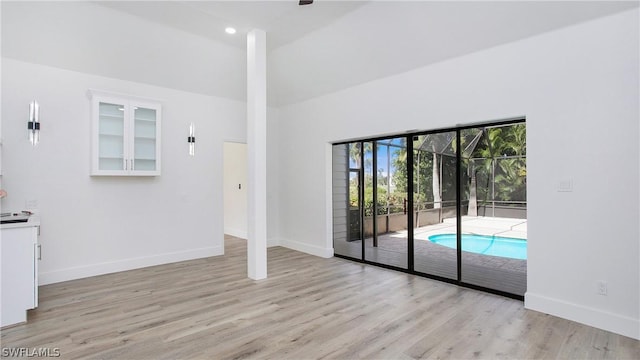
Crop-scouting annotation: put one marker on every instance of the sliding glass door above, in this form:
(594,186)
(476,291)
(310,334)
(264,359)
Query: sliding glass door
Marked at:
(370,207)
(347,200)
(386,218)
(494,208)
(434,199)
(447,204)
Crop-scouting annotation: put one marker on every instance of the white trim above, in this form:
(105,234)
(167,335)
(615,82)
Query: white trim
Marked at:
(80,272)
(616,323)
(328,195)
(271,242)
(306,248)
(105,93)
(234,141)
(240,233)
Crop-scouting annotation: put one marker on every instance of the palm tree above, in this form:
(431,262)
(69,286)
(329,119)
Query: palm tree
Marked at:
(500,159)
(354,153)
(435,175)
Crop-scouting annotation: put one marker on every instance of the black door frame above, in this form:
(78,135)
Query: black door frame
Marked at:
(410,202)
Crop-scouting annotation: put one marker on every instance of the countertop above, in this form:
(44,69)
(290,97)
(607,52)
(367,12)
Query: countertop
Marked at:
(34,220)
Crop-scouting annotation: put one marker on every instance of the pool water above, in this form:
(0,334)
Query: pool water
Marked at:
(485,244)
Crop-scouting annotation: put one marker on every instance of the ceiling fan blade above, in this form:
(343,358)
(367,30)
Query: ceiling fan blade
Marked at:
(305,2)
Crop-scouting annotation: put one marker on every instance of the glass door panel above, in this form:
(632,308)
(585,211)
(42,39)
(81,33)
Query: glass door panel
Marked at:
(388,244)
(450,204)
(434,204)
(368,193)
(111,136)
(494,221)
(347,225)
(144,143)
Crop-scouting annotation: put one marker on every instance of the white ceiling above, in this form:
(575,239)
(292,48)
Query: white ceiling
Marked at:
(285,21)
(330,45)
(385,38)
(313,50)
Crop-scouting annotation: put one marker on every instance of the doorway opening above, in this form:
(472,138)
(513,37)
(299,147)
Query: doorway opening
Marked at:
(234,189)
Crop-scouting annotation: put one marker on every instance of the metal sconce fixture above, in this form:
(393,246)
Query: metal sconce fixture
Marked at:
(192,140)
(34,123)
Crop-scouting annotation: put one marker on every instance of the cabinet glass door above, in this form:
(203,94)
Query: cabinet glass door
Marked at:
(111,136)
(144,143)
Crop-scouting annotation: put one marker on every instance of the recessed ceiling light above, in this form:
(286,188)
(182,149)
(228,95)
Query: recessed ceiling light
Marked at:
(230,30)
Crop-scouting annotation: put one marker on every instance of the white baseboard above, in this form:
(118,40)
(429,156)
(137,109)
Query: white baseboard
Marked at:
(306,248)
(242,234)
(589,316)
(271,242)
(80,272)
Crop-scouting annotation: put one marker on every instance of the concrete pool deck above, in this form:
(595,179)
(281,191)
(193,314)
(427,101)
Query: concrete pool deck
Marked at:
(478,225)
(499,273)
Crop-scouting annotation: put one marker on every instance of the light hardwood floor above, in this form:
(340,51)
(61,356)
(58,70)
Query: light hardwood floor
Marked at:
(308,308)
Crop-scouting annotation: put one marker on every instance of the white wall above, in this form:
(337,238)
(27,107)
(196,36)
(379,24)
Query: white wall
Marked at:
(235,189)
(94,225)
(578,88)
(132,222)
(89,38)
(356,48)
(273,176)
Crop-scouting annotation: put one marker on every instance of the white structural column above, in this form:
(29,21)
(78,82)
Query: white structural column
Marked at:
(257,154)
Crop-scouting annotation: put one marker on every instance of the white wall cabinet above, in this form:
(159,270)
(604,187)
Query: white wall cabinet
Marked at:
(19,252)
(126,135)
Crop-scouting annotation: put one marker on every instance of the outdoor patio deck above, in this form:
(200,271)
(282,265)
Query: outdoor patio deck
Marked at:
(500,273)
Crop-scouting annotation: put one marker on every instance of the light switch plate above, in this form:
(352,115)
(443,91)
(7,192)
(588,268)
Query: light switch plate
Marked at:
(31,204)
(565,185)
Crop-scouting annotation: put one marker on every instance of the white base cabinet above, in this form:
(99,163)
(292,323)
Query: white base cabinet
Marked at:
(19,254)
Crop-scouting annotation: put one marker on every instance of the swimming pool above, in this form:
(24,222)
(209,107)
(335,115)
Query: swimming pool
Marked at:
(485,244)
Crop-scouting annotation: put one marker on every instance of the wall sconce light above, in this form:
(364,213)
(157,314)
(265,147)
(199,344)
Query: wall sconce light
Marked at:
(192,140)
(34,123)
